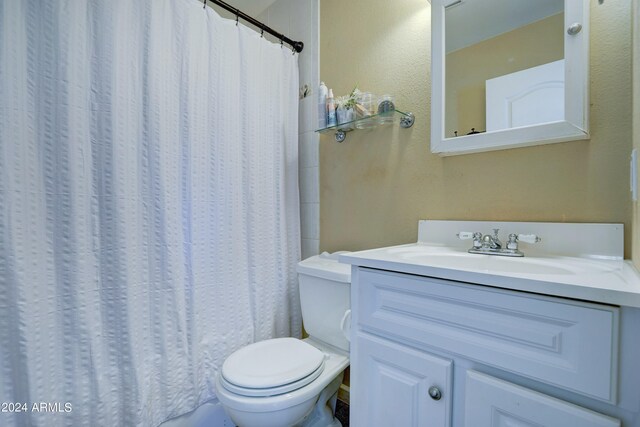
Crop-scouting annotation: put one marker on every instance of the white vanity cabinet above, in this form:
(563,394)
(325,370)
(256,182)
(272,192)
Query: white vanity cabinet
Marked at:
(433,352)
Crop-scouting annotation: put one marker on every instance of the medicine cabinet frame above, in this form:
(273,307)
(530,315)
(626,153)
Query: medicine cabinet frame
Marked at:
(575,125)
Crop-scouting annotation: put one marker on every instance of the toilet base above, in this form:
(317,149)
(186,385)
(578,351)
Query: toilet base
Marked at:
(323,413)
(273,419)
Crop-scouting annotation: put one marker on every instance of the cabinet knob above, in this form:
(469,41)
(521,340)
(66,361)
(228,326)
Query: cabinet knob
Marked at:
(435,393)
(574,28)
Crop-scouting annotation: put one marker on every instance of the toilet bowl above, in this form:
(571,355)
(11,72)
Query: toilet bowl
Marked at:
(288,408)
(285,382)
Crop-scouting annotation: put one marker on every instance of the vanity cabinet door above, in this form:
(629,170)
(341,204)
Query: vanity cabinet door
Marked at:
(399,386)
(491,402)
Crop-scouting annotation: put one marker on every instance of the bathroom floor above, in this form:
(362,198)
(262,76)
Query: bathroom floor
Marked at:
(342,413)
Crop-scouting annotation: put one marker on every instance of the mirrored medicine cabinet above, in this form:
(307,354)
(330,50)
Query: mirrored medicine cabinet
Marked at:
(508,73)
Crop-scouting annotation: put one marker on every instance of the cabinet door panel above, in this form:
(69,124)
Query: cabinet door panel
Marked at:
(490,402)
(391,386)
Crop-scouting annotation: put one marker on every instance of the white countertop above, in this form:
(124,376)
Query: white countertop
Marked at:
(608,281)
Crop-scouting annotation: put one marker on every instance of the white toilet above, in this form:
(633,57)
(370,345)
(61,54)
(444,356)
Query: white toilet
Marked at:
(286,382)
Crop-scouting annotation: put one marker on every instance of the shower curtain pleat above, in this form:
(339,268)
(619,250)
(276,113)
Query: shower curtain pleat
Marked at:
(149,213)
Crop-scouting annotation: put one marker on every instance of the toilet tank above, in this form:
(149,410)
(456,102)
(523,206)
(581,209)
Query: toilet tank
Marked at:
(325,297)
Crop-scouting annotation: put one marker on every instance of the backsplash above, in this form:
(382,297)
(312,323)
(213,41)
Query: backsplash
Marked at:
(565,239)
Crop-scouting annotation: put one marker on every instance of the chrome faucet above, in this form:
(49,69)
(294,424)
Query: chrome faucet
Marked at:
(491,244)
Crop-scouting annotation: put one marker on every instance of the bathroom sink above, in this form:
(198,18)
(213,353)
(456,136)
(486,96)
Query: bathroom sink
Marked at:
(578,261)
(459,260)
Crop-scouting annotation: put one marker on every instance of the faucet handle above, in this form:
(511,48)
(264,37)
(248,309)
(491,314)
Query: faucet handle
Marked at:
(465,235)
(529,238)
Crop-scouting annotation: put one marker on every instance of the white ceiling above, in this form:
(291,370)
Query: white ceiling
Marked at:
(252,8)
(472,21)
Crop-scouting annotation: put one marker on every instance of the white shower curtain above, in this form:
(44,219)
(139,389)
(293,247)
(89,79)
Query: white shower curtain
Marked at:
(149,219)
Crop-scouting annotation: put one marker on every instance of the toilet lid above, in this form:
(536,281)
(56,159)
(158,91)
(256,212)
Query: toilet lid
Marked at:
(272,363)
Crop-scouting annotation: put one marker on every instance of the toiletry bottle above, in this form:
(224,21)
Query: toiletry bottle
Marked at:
(323,93)
(331,110)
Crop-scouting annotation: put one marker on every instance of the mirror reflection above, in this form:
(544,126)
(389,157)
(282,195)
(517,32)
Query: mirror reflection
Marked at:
(504,64)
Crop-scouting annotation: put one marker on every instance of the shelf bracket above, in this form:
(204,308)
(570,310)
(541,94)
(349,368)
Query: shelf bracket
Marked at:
(407,121)
(341,136)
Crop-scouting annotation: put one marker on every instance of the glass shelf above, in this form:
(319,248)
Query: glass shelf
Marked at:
(406,120)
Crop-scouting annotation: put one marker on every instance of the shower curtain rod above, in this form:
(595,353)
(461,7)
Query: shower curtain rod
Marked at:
(297,46)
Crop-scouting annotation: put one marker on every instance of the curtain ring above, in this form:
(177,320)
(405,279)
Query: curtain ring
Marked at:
(204,4)
(237,16)
(261,32)
(281,41)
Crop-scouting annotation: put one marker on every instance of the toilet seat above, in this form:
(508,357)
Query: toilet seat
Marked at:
(272,367)
(272,391)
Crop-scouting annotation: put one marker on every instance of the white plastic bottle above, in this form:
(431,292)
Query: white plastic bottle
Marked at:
(323,92)
(331,110)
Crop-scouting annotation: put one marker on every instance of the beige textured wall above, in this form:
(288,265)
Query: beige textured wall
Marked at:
(469,68)
(636,122)
(377,185)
